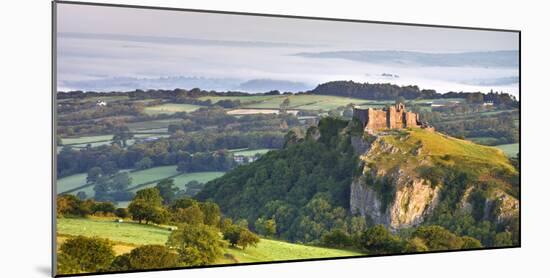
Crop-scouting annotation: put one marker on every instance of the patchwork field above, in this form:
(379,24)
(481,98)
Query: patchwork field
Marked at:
(181,179)
(171,108)
(128,235)
(246,152)
(510,150)
(143,179)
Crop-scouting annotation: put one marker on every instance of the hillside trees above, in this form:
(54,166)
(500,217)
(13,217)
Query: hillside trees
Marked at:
(304,187)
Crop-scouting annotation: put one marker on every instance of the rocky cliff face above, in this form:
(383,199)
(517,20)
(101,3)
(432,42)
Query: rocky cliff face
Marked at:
(391,190)
(412,202)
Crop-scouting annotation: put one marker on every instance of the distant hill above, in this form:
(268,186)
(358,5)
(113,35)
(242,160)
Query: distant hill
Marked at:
(265,85)
(497,59)
(386,91)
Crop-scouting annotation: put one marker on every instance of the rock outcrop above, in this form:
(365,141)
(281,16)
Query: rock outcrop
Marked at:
(392,191)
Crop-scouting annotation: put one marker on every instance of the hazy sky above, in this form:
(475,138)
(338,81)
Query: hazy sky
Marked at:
(101,43)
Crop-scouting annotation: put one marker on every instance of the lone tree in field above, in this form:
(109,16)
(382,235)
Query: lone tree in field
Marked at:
(83,254)
(147,206)
(241,236)
(284,105)
(197,244)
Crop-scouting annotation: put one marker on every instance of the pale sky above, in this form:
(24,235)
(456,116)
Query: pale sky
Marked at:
(97,42)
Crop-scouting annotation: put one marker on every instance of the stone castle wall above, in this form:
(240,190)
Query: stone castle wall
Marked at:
(393,117)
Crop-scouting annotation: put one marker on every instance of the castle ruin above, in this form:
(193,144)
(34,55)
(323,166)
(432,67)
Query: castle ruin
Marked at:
(388,118)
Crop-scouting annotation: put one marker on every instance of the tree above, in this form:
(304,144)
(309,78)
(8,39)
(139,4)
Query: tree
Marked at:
(197,244)
(146,257)
(470,243)
(247,238)
(268,228)
(93,174)
(438,238)
(284,105)
(121,212)
(212,213)
(144,163)
(337,238)
(103,207)
(147,205)
(167,190)
(70,205)
(232,234)
(81,195)
(237,235)
(88,254)
(416,244)
(503,239)
(378,240)
(190,215)
(121,135)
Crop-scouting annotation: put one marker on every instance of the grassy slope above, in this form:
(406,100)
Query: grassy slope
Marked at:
(435,145)
(128,235)
(273,250)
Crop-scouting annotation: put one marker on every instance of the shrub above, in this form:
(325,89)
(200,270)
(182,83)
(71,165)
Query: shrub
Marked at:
(86,254)
(121,212)
(378,240)
(337,238)
(146,257)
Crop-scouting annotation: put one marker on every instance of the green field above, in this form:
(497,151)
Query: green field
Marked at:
(273,250)
(139,234)
(145,178)
(131,233)
(99,140)
(70,182)
(489,141)
(510,150)
(247,152)
(87,139)
(180,181)
(171,108)
(152,125)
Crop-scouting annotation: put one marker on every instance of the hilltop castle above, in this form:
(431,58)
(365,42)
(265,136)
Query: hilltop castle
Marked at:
(392,117)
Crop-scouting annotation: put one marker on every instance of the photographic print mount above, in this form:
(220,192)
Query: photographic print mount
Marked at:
(379,122)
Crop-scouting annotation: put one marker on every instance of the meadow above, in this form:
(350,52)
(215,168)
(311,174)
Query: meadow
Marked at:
(170,108)
(128,235)
(510,150)
(247,152)
(140,179)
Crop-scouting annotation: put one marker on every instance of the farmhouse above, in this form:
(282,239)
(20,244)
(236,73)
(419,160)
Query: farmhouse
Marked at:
(392,117)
